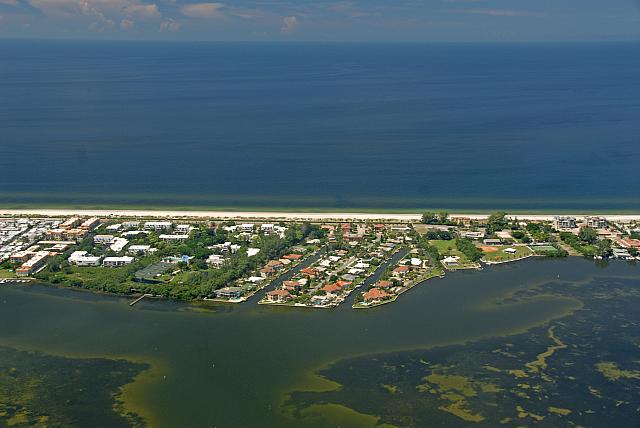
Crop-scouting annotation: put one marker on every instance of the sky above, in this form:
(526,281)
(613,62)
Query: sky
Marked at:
(324,20)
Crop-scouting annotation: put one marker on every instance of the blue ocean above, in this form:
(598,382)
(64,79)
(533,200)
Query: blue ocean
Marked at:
(320,126)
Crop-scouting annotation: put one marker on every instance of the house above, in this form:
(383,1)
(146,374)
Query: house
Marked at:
(416,262)
(278,296)
(131,224)
(308,272)
(331,288)
(158,225)
(183,229)
(216,260)
(82,258)
(322,299)
(401,270)
(247,227)
(348,277)
(471,234)
(103,239)
(343,283)
(267,271)
(291,285)
(375,295)
(451,261)
(229,293)
(252,251)
(116,261)
(384,284)
(621,253)
(292,256)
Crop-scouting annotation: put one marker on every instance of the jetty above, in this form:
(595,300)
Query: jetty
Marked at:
(140,298)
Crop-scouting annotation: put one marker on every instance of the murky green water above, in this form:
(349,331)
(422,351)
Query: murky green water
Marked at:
(249,365)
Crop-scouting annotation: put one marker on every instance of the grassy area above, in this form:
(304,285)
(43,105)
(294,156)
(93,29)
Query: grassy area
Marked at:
(448,248)
(4,273)
(501,256)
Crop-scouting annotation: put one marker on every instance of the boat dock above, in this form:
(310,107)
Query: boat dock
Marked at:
(140,298)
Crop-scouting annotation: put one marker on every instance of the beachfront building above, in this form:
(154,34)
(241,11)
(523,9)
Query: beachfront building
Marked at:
(183,229)
(564,222)
(247,227)
(117,261)
(90,224)
(70,223)
(596,222)
(158,225)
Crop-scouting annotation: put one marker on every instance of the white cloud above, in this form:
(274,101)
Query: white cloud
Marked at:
(289,23)
(202,10)
(170,25)
(127,24)
(143,9)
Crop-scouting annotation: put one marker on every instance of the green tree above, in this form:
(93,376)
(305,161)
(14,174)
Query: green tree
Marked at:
(588,235)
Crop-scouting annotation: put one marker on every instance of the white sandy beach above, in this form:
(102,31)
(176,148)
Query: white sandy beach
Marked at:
(258,215)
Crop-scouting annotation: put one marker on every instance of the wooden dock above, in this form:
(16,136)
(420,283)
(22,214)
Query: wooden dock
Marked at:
(140,298)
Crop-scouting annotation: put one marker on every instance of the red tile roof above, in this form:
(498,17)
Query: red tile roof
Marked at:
(384,284)
(375,294)
(292,256)
(331,288)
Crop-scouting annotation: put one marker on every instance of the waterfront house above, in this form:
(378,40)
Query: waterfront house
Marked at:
(229,293)
(375,295)
(451,261)
(278,296)
(292,256)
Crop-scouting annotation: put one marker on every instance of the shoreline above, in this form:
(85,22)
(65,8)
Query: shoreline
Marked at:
(287,215)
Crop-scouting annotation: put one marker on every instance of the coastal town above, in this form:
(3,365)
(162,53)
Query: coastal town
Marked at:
(314,263)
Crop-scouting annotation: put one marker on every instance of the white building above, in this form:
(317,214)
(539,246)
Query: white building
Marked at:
(103,239)
(131,224)
(158,225)
(82,258)
(266,227)
(140,249)
(174,237)
(564,222)
(252,251)
(114,227)
(596,222)
(116,261)
(247,227)
(118,244)
(183,229)
(216,260)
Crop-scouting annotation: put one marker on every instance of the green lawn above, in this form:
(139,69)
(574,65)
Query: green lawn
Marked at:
(448,248)
(502,256)
(6,274)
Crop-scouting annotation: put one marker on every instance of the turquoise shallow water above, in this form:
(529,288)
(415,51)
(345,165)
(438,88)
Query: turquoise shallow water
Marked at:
(530,126)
